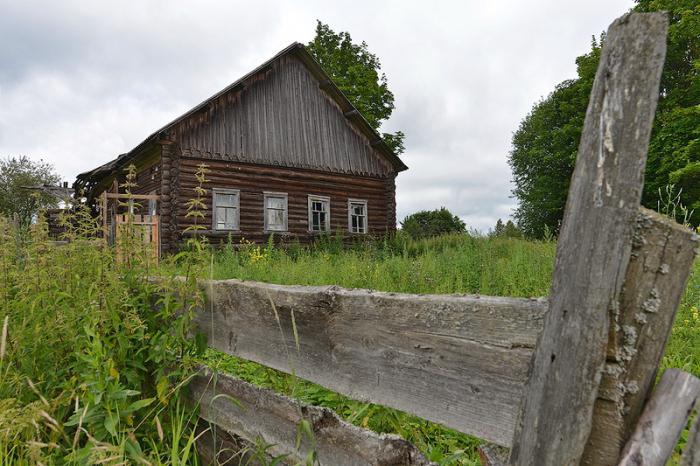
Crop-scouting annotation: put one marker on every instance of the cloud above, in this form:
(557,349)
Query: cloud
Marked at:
(81,82)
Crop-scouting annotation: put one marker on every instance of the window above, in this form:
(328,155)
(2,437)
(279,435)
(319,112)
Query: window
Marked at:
(319,213)
(226,209)
(357,216)
(275,211)
(152,205)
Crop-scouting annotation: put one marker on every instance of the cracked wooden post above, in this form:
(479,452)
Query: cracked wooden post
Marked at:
(594,245)
(660,264)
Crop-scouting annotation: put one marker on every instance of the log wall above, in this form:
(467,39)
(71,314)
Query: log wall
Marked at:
(253,180)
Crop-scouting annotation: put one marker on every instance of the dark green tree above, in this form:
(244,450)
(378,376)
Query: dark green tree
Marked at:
(498,229)
(429,223)
(357,72)
(544,146)
(507,230)
(18,202)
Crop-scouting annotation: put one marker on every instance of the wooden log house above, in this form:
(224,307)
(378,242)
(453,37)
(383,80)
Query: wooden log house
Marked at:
(288,155)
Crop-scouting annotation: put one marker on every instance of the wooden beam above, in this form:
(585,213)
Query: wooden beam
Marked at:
(691,451)
(251,412)
(139,197)
(664,417)
(461,361)
(594,244)
(351,113)
(660,264)
(493,455)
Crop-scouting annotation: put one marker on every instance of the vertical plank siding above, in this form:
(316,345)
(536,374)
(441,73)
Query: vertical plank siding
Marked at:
(280,117)
(252,180)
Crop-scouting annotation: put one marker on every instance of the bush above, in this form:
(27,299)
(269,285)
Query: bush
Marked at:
(429,223)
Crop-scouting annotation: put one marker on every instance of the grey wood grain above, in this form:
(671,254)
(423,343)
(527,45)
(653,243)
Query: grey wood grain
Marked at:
(461,361)
(282,118)
(594,244)
(691,451)
(664,417)
(251,412)
(660,264)
(493,455)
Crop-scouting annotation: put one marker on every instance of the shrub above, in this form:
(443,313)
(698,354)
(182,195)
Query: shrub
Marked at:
(429,223)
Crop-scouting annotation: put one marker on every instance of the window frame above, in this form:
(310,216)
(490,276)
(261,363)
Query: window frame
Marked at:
(272,194)
(366,216)
(237,193)
(315,198)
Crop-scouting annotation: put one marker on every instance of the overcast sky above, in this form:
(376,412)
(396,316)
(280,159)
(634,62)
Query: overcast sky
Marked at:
(83,81)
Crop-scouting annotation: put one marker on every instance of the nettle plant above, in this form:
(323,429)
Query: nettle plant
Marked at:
(94,350)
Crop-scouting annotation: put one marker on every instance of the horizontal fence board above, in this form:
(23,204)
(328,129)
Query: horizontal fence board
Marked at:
(252,412)
(461,361)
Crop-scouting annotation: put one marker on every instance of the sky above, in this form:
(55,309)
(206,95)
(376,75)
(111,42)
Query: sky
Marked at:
(83,81)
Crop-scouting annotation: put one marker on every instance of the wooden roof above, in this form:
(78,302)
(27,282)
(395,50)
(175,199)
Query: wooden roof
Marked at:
(297,50)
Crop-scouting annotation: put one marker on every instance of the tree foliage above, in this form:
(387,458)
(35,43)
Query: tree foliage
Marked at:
(429,223)
(18,202)
(545,145)
(357,72)
(506,230)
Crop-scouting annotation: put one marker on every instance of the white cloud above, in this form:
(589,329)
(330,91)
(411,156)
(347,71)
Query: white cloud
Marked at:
(81,82)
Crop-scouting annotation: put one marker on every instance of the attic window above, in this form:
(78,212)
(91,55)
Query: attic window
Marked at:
(319,213)
(226,209)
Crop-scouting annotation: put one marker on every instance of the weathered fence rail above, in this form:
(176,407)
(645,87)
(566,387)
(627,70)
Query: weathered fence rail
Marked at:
(257,410)
(461,361)
(558,382)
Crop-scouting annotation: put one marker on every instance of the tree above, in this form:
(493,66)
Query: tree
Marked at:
(429,223)
(357,72)
(544,146)
(544,149)
(507,230)
(15,201)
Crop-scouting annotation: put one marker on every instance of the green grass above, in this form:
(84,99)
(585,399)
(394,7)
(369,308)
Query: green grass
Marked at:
(450,264)
(82,364)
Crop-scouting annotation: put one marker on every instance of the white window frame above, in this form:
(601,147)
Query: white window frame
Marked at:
(315,198)
(285,196)
(237,193)
(366,215)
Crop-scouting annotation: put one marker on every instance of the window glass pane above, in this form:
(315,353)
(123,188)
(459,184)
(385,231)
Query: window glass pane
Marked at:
(226,200)
(275,219)
(275,202)
(360,224)
(315,221)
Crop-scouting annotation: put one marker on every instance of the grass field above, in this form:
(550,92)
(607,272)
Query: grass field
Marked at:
(83,354)
(449,264)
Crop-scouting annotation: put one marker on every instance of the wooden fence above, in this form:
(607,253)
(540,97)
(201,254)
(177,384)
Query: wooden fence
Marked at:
(556,382)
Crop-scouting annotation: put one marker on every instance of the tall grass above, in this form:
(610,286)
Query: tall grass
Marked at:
(91,367)
(457,263)
(90,363)
(449,264)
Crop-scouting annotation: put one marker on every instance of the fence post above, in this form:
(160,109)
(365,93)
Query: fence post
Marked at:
(594,245)
(660,264)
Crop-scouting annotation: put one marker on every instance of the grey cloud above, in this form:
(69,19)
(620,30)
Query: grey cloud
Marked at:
(83,81)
